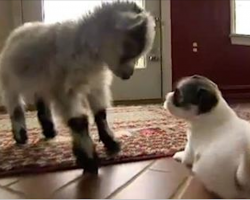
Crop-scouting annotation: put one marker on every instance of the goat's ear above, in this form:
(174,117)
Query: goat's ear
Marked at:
(127,21)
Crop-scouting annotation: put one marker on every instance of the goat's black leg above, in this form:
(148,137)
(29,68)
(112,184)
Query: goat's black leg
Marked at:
(18,125)
(45,119)
(72,109)
(99,99)
(17,116)
(105,133)
(83,147)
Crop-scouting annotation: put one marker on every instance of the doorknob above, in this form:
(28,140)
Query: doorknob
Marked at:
(154,58)
(157,19)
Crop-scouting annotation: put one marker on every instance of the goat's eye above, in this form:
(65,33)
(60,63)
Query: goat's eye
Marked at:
(126,58)
(130,51)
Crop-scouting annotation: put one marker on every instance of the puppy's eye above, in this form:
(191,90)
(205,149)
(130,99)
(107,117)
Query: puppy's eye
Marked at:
(177,97)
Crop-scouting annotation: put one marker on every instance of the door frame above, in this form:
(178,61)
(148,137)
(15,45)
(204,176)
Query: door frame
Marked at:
(166,45)
(19,15)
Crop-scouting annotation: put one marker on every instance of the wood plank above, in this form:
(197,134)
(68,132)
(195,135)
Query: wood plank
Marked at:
(43,185)
(110,179)
(153,185)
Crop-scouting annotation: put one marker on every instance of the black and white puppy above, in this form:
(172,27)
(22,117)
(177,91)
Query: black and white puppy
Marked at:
(218,147)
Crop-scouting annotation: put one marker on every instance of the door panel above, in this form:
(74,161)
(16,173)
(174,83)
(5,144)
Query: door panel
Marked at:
(226,64)
(146,82)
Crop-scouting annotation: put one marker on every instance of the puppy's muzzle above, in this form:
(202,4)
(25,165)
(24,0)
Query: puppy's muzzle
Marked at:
(168,100)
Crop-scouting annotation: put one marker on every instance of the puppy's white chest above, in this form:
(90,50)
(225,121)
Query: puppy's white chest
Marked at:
(216,158)
(200,142)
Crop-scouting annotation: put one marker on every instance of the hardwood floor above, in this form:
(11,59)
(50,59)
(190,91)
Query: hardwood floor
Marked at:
(162,178)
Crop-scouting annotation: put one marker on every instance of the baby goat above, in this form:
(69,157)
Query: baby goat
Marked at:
(68,67)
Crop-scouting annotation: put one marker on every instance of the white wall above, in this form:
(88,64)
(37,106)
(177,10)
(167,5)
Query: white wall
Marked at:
(6,20)
(6,23)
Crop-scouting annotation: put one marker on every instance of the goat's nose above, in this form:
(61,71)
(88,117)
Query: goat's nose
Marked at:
(126,75)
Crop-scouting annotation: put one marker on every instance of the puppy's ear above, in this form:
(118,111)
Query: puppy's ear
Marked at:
(207,100)
(127,21)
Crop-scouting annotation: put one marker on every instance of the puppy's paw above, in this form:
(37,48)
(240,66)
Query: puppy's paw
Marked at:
(179,156)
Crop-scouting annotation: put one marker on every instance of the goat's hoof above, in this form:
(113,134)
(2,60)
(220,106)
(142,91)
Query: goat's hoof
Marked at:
(89,165)
(21,137)
(113,147)
(49,134)
(91,169)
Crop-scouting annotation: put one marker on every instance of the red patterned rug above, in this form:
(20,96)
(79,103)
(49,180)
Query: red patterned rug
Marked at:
(145,132)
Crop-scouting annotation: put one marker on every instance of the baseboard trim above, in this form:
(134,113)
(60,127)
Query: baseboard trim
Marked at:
(232,97)
(234,87)
(237,97)
(138,102)
(236,93)
(115,103)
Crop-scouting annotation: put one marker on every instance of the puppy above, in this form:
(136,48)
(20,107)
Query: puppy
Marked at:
(218,147)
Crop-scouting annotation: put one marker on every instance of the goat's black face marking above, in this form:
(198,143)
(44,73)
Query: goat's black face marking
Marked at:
(45,119)
(135,43)
(139,35)
(196,91)
(105,134)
